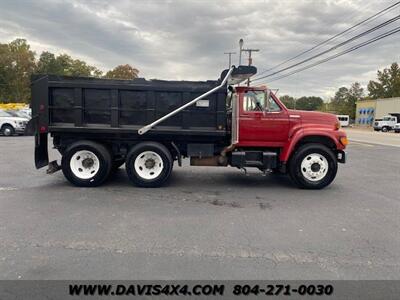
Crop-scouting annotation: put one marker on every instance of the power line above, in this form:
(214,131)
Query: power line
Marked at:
(351,49)
(385,10)
(332,48)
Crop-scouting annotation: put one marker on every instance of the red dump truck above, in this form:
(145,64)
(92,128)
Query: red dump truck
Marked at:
(98,125)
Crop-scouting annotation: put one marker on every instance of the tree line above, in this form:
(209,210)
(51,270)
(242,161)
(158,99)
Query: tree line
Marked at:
(18,62)
(387,85)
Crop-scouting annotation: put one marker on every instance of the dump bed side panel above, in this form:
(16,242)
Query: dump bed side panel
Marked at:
(114,106)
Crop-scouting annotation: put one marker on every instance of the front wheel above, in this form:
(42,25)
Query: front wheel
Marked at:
(313,166)
(7,130)
(149,164)
(385,129)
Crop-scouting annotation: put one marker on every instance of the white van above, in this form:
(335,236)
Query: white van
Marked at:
(344,120)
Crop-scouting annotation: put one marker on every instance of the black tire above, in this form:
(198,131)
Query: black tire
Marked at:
(295,171)
(385,129)
(104,158)
(166,168)
(7,130)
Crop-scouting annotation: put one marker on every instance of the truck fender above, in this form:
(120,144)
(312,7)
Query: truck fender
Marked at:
(301,134)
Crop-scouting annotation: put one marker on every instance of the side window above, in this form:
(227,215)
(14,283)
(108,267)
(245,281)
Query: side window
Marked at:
(272,106)
(254,101)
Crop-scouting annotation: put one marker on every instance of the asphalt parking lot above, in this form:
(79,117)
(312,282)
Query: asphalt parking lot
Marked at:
(208,223)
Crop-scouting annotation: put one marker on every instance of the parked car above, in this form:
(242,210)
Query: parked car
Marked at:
(19,114)
(10,125)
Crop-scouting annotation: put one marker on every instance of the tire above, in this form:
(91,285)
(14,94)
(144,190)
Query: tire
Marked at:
(7,130)
(149,164)
(86,164)
(385,129)
(307,165)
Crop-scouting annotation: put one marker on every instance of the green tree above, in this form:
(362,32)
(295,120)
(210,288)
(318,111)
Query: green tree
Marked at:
(17,63)
(339,101)
(64,64)
(123,72)
(309,103)
(388,84)
(288,101)
(356,93)
(344,102)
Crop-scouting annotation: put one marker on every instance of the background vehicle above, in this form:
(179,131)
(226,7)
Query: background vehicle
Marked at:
(99,124)
(387,123)
(10,125)
(344,120)
(19,114)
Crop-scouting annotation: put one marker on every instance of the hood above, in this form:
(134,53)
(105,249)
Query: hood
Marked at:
(17,119)
(315,117)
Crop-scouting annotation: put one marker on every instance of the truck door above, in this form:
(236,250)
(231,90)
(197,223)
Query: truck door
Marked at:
(262,121)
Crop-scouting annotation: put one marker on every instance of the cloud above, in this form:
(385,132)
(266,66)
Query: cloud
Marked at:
(186,39)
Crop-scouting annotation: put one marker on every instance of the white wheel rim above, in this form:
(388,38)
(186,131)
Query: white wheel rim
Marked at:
(7,131)
(314,167)
(148,165)
(84,164)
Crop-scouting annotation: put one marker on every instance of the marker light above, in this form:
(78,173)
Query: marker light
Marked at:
(344,141)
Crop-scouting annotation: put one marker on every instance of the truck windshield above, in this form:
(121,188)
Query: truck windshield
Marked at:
(387,119)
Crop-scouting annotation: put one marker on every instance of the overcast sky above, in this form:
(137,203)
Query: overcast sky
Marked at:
(186,39)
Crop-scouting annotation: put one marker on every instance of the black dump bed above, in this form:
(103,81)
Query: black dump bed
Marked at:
(76,104)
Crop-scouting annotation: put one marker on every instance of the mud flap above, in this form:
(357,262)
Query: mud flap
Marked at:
(41,152)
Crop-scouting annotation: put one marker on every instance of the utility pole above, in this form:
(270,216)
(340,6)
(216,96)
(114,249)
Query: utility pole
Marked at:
(230,58)
(250,59)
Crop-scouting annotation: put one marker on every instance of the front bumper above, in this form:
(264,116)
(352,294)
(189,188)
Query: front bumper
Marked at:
(20,130)
(341,156)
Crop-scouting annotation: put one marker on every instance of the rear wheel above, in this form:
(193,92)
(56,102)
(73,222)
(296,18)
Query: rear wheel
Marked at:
(313,166)
(149,164)
(86,164)
(7,130)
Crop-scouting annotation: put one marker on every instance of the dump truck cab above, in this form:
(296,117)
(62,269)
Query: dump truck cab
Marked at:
(268,136)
